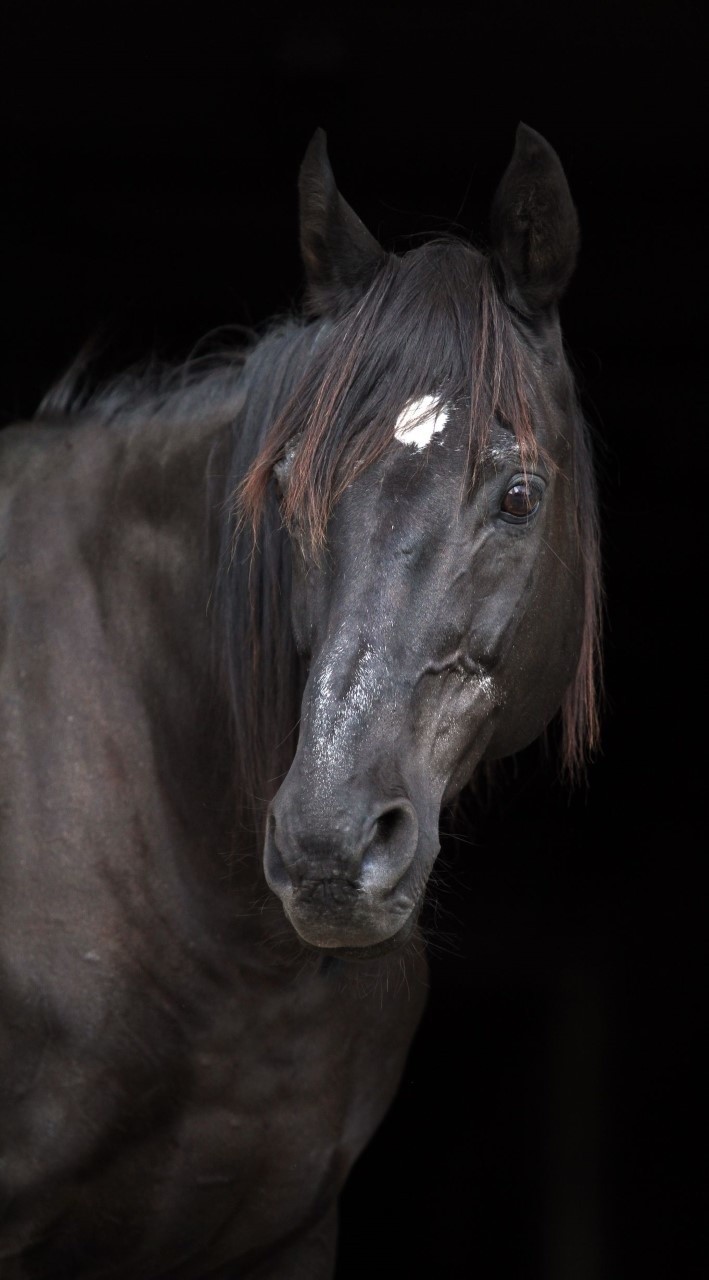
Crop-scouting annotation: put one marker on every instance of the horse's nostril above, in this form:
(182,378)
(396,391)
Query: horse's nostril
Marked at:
(277,874)
(391,847)
(388,823)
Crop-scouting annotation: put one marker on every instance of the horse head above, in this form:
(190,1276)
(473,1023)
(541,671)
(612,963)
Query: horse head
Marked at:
(434,480)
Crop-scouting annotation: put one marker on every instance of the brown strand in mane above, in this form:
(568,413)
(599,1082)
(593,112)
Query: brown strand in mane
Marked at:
(580,712)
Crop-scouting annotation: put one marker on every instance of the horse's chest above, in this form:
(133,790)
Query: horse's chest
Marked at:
(280,1097)
(178,1150)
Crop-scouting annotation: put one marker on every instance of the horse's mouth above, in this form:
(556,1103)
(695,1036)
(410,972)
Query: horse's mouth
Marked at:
(371,951)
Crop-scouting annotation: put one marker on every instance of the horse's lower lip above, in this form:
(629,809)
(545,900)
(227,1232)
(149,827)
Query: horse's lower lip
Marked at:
(392,943)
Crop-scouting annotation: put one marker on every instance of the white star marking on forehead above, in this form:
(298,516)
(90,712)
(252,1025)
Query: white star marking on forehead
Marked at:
(420,420)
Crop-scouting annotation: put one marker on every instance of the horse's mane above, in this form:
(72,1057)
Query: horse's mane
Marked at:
(205,385)
(432,321)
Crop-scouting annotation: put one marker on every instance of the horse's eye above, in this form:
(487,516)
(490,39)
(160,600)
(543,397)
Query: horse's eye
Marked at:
(284,466)
(281,472)
(521,500)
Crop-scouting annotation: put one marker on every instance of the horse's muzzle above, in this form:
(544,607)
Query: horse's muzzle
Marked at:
(344,880)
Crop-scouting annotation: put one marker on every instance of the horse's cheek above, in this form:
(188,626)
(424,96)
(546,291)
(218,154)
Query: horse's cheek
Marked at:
(539,668)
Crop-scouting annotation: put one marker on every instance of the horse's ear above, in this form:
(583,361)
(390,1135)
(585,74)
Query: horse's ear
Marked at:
(535,232)
(339,254)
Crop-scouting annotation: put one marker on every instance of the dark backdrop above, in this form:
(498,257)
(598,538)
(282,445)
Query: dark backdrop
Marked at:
(551,1122)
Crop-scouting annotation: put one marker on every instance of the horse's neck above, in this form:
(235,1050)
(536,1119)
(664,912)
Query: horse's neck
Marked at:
(156,554)
(159,572)
(113,611)
(116,760)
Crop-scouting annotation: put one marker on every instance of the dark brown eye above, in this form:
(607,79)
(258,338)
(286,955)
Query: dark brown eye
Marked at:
(521,500)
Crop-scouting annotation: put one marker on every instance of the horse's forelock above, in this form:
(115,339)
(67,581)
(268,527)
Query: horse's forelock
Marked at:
(431,323)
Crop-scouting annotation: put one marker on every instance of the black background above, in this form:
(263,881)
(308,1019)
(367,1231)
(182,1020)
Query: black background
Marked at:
(552,1119)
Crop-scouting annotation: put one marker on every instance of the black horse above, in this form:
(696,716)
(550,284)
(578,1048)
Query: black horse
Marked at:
(260,621)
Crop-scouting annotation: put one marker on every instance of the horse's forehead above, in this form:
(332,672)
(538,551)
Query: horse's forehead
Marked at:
(422,483)
(433,425)
(425,474)
(420,420)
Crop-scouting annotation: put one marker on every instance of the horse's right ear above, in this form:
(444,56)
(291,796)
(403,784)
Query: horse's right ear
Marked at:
(339,254)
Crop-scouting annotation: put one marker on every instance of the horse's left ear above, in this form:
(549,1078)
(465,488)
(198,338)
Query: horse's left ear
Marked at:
(339,254)
(535,231)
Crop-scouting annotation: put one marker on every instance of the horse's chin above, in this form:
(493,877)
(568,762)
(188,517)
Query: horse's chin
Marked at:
(365,950)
